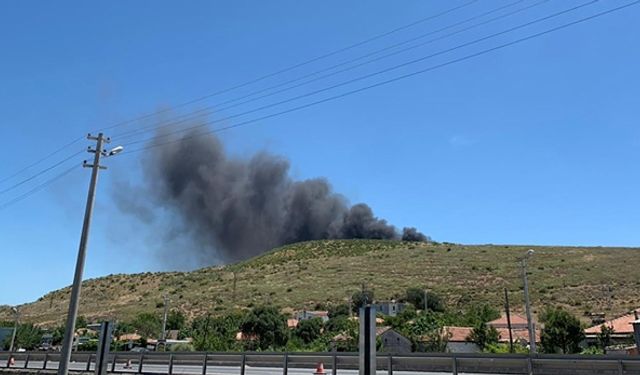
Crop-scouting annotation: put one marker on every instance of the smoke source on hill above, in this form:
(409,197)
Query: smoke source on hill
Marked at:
(238,208)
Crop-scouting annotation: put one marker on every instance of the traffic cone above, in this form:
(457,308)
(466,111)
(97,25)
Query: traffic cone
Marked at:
(319,369)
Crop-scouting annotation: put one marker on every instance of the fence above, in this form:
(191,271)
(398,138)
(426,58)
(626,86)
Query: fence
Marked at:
(256,363)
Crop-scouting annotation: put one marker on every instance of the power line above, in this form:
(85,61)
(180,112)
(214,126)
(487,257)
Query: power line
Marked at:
(205,110)
(450,62)
(45,170)
(36,189)
(366,76)
(295,66)
(41,159)
(255,80)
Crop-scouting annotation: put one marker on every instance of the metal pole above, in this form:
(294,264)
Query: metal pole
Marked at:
(532,333)
(164,320)
(426,305)
(506,307)
(15,329)
(67,343)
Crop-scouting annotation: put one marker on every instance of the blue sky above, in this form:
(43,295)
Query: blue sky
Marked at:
(532,144)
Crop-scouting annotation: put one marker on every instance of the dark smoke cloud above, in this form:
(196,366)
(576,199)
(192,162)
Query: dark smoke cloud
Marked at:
(238,208)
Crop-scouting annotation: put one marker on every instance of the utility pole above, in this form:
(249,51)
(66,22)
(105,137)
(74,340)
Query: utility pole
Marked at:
(506,307)
(426,305)
(234,288)
(15,328)
(164,319)
(67,343)
(532,332)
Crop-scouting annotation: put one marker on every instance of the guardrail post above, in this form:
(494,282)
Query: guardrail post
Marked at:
(26,361)
(334,364)
(244,362)
(390,364)
(113,364)
(46,359)
(204,364)
(530,365)
(285,364)
(170,364)
(140,361)
(620,367)
(454,364)
(9,359)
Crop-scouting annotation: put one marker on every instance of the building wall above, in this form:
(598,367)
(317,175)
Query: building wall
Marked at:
(393,342)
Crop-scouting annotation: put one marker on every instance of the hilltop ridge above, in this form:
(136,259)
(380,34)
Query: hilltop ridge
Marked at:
(316,273)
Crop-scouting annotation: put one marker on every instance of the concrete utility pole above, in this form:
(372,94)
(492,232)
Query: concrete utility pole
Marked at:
(15,327)
(67,343)
(532,332)
(164,318)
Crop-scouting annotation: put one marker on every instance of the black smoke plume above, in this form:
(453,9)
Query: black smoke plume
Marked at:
(238,208)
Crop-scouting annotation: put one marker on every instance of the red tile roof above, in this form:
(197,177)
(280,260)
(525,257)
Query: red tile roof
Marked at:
(621,325)
(516,321)
(518,334)
(458,334)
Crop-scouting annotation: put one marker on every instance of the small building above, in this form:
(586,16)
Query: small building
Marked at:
(519,329)
(393,342)
(292,323)
(390,308)
(306,315)
(458,340)
(622,329)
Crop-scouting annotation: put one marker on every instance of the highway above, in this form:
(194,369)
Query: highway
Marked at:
(256,363)
(214,370)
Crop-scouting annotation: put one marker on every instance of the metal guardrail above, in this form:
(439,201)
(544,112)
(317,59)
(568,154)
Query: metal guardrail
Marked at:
(201,363)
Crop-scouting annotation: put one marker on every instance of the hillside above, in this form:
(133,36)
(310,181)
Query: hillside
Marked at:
(306,274)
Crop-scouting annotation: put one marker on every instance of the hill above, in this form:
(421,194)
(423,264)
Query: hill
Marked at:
(308,274)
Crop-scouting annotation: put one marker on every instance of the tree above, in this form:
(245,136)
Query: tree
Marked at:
(28,337)
(604,337)
(266,327)
(426,333)
(147,325)
(415,296)
(81,322)
(480,313)
(338,310)
(338,324)
(175,320)
(562,332)
(484,335)
(215,333)
(361,298)
(309,330)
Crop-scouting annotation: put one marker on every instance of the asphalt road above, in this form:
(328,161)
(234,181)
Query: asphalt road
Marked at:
(214,370)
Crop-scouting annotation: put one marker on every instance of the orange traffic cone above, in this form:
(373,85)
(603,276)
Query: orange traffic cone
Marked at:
(319,369)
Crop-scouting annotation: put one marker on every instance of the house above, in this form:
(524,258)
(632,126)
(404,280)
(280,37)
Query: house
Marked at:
(390,308)
(292,323)
(519,329)
(305,315)
(458,340)
(622,329)
(393,342)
